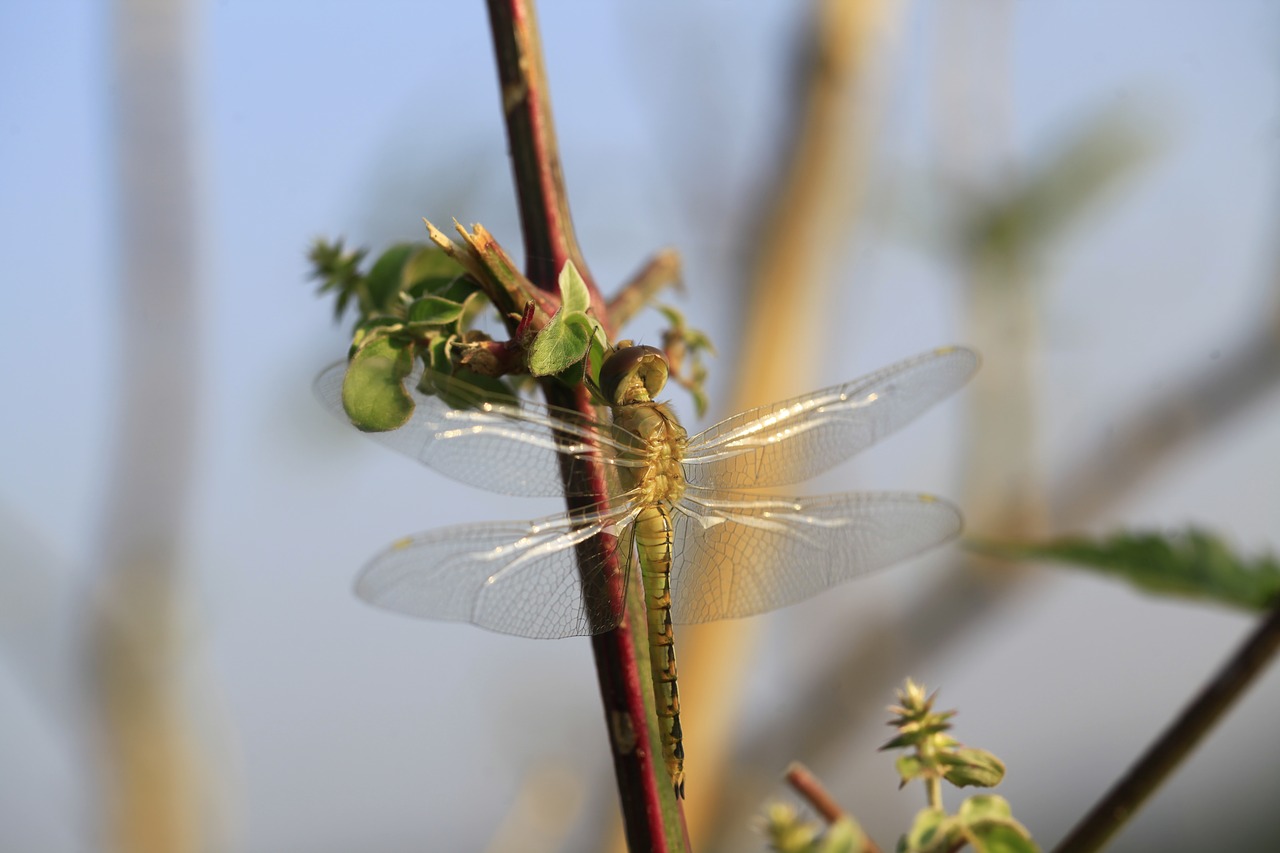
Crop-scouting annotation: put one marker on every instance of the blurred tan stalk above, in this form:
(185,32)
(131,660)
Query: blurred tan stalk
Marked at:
(151,777)
(808,227)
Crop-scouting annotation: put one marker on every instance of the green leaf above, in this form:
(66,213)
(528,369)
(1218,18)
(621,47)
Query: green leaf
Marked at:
(984,807)
(439,362)
(913,734)
(786,831)
(1193,564)
(568,335)
(596,354)
(373,393)
(434,311)
(574,295)
(385,280)
(989,825)
(966,766)
(429,264)
(1001,838)
(909,767)
(843,836)
(561,344)
(930,831)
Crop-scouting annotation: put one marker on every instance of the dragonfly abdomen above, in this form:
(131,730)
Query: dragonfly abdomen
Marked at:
(654,544)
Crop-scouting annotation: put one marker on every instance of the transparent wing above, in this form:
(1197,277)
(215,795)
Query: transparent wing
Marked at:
(513,578)
(797,439)
(504,448)
(741,554)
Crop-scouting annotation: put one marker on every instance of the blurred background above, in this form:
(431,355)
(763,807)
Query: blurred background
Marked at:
(1085,192)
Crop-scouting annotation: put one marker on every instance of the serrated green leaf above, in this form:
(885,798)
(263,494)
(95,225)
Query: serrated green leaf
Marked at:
(1193,564)
(384,281)
(574,295)
(373,393)
(976,767)
(435,311)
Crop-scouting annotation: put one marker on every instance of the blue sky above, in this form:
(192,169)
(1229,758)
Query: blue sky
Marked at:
(357,119)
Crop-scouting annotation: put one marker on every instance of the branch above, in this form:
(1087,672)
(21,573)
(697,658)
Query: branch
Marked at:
(1178,740)
(660,271)
(651,812)
(808,786)
(549,239)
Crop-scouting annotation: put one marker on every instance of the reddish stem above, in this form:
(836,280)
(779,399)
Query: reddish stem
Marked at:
(643,782)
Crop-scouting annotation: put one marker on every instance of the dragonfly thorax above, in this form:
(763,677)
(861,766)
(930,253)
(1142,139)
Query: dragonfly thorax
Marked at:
(657,441)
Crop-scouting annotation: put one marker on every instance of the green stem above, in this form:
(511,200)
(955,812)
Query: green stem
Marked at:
(651,814)
(1177,742)
(933,788)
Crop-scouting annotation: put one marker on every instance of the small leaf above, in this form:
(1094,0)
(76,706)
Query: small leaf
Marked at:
(989,825)
(909,767)
(384,281)
(843,836)
(984,807)
(561,344)
(930,832)
(373,393)
(564,341)
(434,311)
(597,353)
(915,733)
(786,831)
(574,295)
(1001,838)
(1193,564)
(966,766)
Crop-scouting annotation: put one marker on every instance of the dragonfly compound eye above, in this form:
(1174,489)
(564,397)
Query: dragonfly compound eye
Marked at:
(633,374)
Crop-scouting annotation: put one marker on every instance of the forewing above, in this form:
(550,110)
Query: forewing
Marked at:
(513,578)
(794,440)
(507,448)
(741,554)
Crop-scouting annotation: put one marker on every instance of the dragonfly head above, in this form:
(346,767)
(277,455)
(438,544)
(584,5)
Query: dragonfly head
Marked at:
(633,374)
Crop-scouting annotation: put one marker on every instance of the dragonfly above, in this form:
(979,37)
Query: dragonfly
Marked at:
(678,507)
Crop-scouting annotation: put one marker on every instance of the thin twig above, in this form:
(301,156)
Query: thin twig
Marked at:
(808,786)
(660,271)
(651,814)
(1177,742)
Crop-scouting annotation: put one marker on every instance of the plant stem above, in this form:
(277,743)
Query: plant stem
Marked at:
(549,239)
(153,780)
(651,813)
(1124,799)
(808,786)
